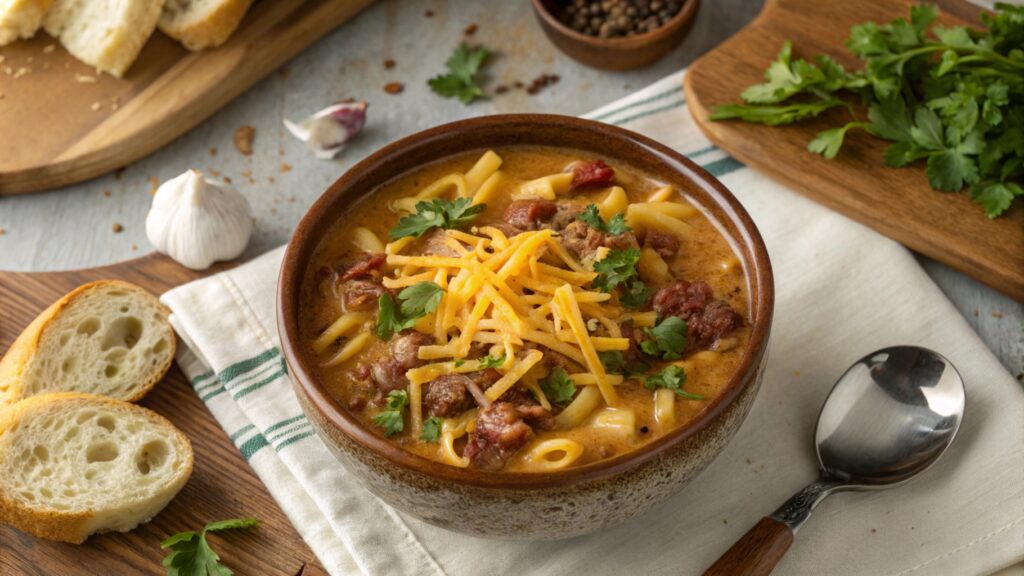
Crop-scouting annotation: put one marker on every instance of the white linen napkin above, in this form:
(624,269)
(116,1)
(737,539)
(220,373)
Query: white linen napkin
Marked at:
(842,291)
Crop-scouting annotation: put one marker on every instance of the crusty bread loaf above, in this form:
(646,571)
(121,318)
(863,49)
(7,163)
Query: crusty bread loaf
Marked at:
(21,18)
(107,34)
(200,24)
(76,464)
(109,337)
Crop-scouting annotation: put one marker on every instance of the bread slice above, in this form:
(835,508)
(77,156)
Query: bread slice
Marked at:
(21,18)
(107,34)
(108,337)
(77,464)
(201,24)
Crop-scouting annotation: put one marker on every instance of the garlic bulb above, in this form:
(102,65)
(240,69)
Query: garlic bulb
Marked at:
(198,221)
(327,131)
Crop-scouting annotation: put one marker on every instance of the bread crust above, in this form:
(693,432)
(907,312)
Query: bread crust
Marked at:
(208,32)
(61,525)
(23,350)
(22,19)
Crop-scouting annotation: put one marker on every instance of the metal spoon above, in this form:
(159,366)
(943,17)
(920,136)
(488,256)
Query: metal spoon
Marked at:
(889,417)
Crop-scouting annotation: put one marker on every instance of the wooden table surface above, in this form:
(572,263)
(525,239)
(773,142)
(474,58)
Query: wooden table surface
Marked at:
(73,227)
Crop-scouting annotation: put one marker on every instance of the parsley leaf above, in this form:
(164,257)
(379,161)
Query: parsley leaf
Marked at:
(667,340)
(460,81)
(996,197)
(615,362)
(191,554)
(635,294)
(492,362)
(674,378)
(828,142)
(437,213)
(617,267)
(392,420)
(615,226)
(431,429)
(558,387)
(417,301)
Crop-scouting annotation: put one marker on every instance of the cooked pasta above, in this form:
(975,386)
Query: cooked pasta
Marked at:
(541,313)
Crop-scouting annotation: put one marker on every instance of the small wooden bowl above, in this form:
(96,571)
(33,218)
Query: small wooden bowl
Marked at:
(623,53)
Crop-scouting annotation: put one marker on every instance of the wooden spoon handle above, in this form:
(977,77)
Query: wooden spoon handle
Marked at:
(757,552)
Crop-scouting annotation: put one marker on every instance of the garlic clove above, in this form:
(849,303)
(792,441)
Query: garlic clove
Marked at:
(327,131)
(197,221)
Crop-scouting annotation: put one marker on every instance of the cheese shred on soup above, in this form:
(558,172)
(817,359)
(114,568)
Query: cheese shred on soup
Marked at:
(527,310)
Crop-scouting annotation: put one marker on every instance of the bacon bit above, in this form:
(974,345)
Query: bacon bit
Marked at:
(85,79)
(471,29)
(49,48)
(96,106)
(364,267)
(117,228)
(154,183)
(284,168)
(593,173)
(389,63)
(394,87)
(243,139)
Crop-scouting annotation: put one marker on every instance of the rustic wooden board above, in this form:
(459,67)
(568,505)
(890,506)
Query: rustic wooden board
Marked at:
(52,136)
(896,202)
(222,484)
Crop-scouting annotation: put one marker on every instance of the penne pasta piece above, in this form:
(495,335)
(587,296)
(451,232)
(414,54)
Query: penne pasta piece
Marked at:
(484,168)
(354,346)
(648,217)
(665,407)
(552,454)
(613,203)
(441,185)
(619,421)
(586,401)
(448,453)
(546,187)
(663,194)
(398,245)
(367,241)
(652,268)
(674,209)
(344,325)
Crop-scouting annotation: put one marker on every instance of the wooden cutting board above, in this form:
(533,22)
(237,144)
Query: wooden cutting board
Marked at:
(222,484)
(897,202)
(58,126)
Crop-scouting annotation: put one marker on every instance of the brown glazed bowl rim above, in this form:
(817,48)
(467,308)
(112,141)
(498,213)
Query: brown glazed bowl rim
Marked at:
(624,42)
(757,269)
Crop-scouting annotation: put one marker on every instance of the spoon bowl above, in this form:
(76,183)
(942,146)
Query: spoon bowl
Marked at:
(889,417)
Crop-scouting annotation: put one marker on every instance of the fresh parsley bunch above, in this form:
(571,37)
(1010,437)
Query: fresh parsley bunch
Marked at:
(953,97)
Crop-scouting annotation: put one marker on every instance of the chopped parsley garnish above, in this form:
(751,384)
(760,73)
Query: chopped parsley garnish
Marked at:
(437,213)
(667,340)
(615,226)
(417,301)
(392,420)
(615,363)
(460,81)
(558,387)
(634,294)
(431,429)
(674,378)
(951,97)
(492,361)
(191,554)
(617,267)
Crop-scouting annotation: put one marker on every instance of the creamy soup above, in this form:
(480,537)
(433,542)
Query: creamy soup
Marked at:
(526,310)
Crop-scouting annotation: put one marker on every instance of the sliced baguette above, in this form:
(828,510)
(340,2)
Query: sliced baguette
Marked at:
(77,464)
(107,34)
(21,18)
(201,24)
(109,337)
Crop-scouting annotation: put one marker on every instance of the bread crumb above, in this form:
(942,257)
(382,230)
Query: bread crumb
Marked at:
(154,183)
(49,48)
(284,168)
(394,87)
(243,139)
(2,58)
(22,72)
(117,228)
(96,106)
(213,150)
(85,79)
(106,193)
(114,106)
(28,60)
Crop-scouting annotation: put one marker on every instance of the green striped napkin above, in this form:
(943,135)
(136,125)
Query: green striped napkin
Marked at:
(842,291)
